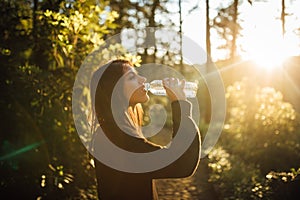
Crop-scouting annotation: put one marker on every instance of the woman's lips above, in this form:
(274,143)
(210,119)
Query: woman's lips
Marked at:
(143,88)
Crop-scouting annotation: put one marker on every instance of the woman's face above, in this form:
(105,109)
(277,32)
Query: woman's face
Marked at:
(134,89)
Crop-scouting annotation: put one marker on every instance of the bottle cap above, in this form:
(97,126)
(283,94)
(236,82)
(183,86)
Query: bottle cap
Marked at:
(147,86)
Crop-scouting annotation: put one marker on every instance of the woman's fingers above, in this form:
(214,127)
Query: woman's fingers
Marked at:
(173,82)
(182,84)
(174,88)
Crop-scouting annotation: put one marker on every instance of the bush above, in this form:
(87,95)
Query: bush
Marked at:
(261,134)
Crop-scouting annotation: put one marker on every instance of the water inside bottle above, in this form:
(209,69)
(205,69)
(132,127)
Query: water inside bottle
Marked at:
(156,88)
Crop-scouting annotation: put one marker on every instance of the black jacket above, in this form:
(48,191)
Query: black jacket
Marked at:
(119,185)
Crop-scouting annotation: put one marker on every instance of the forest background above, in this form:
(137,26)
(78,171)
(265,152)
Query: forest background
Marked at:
(43,44)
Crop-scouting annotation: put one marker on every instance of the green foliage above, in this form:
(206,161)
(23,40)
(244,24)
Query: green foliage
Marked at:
(37,97)
(42,46)
(285,184)
(263,105)
(261,134)
(259,119)
(235,179)
(284,176)
(78,31)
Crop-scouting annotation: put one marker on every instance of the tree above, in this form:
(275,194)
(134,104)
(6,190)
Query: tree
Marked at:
(160,14)
(282,17)
(260,128)
(208,43)
(41,51)
(227,26)
(234,29)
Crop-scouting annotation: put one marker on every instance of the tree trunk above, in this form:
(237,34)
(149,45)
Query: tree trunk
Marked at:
(208,63)
(283,17)
(180,34)
(234,30)
(208,45)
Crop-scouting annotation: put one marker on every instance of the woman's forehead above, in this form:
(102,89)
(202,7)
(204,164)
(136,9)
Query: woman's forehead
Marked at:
(128,68)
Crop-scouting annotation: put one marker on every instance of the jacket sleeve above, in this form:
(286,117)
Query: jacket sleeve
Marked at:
(186,144)
(184,150)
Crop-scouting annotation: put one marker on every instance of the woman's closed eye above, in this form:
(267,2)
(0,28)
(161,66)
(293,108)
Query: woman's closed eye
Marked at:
(132,76)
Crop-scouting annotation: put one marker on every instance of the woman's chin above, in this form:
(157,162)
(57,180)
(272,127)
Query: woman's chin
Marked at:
(144,99)
(141,99)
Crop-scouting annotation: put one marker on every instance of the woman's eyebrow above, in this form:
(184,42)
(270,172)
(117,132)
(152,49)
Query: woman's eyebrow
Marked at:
(131,72)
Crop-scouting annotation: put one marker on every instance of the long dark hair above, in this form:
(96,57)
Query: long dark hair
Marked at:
(104,80)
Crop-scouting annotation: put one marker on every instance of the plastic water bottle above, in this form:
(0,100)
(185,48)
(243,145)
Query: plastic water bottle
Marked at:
(156,87)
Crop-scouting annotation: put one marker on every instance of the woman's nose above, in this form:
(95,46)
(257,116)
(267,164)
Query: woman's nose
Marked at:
(142,79)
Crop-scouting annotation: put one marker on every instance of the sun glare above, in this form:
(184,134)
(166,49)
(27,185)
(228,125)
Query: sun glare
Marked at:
(263,41)
(270,55)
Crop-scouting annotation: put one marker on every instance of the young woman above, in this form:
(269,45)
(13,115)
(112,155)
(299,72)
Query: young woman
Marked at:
(122,126)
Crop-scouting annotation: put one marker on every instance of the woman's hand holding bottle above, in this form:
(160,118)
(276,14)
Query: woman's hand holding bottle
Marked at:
(174,88)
